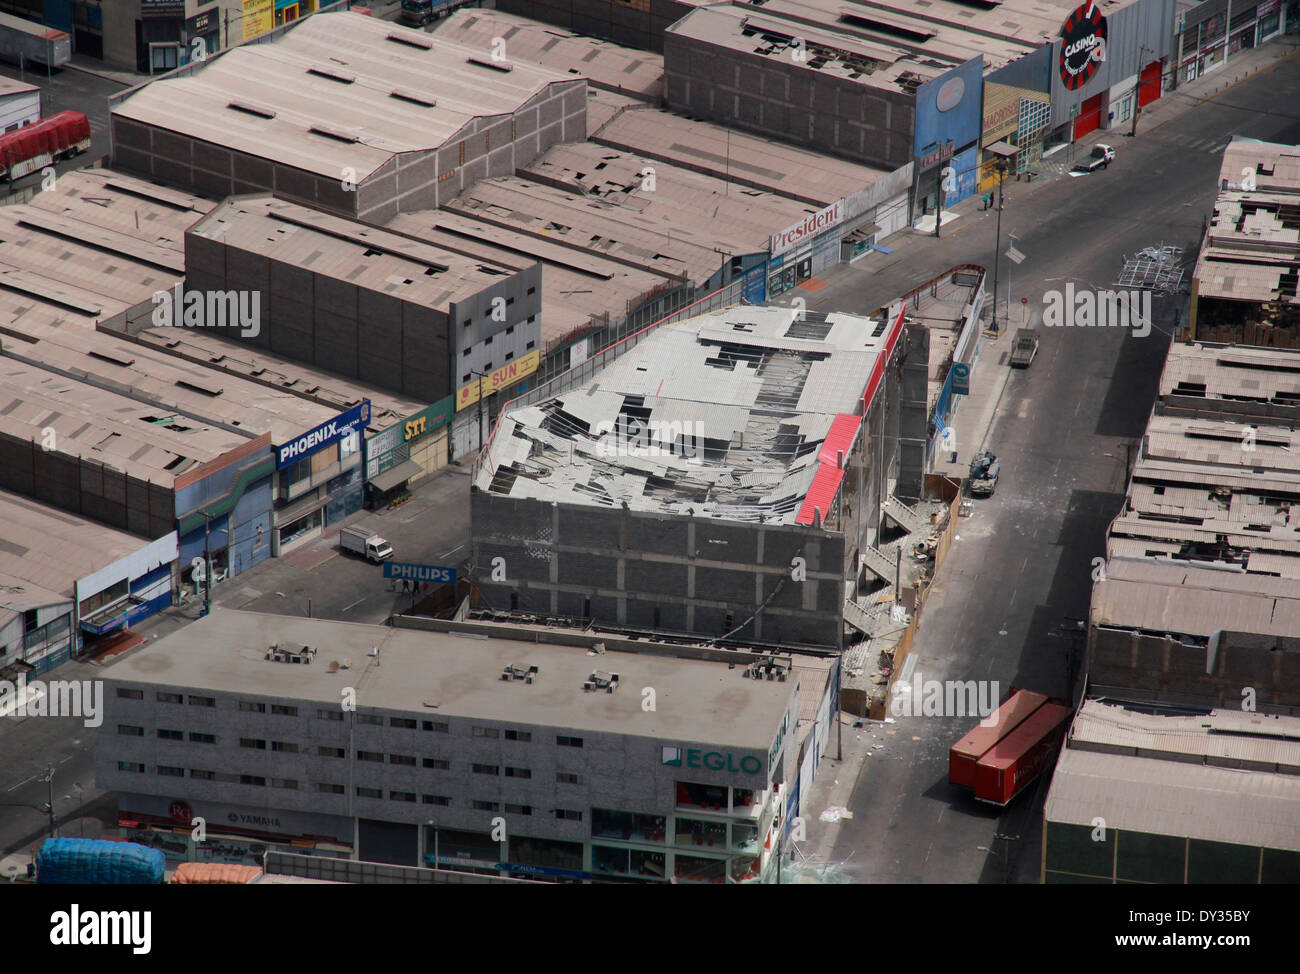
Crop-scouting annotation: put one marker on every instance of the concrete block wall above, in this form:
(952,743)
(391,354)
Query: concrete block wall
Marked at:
(632,23)
(785,99)
(675,573)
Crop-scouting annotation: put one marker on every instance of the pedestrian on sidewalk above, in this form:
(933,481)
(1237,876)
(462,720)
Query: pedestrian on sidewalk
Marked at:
(988,200)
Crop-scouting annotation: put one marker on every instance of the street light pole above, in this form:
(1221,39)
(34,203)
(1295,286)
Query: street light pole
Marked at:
(1137,93)
(997,247)
(49,779)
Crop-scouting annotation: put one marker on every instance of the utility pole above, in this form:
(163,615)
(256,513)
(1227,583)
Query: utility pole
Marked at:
(49,780)
(1137,93)
(938,198)
(997,247)
(207,563)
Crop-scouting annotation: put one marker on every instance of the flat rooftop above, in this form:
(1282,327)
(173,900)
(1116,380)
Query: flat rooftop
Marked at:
(44,551)
(1220,377)
(334,92)
(109,361)
(220,355)
(347,251)
(603,63)
(96,244)
(455,675)
(125,434)
(12,86)
(1222,777)
(578,287)
(739,158)
(733,410)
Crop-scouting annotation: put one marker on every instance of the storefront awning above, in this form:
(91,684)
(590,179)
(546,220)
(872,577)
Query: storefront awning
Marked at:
(1000,148)
(398,475)
(862,232)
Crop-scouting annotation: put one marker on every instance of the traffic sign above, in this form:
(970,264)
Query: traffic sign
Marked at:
(420,573)
(961,379)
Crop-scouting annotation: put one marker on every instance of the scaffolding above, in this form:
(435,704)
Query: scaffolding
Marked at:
(1158,269)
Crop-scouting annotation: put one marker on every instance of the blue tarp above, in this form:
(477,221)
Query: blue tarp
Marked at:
(97,862)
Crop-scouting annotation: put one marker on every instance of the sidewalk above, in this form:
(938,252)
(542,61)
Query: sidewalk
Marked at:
(90,65)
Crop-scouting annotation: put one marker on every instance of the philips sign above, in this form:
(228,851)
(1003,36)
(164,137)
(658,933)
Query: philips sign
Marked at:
(345,424)
(811,225)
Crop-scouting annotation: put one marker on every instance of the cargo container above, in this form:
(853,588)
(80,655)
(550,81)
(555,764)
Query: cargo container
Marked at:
(33,147)
(98,862)
(27,42)
(215,874)
(966,752)
(1013,762)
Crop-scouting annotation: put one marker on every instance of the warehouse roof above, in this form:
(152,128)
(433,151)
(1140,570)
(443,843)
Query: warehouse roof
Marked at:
(732,410)
(1175,798)
(737,157)
(362,255)
(602,63)
(1219,377)
(335,93)
(122,433)
(579,288)
(337,392)
(109,361)
(448,674)
(96,244)
(44,551)
(12,86)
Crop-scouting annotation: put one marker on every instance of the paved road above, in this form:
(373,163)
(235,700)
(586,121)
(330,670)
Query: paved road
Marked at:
(1023,564)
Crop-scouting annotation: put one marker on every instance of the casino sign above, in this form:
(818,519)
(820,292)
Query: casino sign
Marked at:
(1083,45)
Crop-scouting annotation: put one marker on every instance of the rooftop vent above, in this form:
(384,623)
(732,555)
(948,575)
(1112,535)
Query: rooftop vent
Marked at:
(600,680)
(334,74)
(502,66)
(768,669)
(518,671)
(412,39)
(250,108)
(289,653)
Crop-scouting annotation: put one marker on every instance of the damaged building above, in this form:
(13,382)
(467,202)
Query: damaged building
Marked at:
(710,481)
(1244,287)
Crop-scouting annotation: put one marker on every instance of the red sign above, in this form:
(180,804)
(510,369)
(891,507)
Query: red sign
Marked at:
(181,812)
(1083,45)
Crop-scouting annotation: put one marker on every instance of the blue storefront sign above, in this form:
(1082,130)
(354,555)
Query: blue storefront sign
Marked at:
(961,379)
(344,424)
(420,573)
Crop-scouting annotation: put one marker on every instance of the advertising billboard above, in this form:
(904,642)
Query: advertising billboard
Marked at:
(809,227)
(948,111)
(344,424)
(509,373)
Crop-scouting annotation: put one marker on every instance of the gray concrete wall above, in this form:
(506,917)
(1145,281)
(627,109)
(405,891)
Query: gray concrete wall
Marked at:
(676,573)
(914,419)
(634,23)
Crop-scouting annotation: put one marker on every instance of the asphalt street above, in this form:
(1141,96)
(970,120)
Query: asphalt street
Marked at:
(1022,567)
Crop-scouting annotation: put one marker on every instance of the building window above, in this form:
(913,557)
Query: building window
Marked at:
(465,354)
(532,290)
(437,764)
(284,711)
(130,766)
(328,789)
(406,759)
(287,747)
(369,792)
(435,726)
(401,796)
(203,775)
(568,741)
(465,378)
(372,719)
(406,723)
(370,756)
(487,769)
(169,735)
(519,809)
(252,742)
(483,806)
(288,783)
(567,815)
(170,772)
(436,800)
(248,706)
(564,778)
(196,701)
(486,732)
(252,779)
(518,773)
(169,697)
(525,737)
(131,730)
(125,694)
(529,345)
(324,714)
(510,330)
(331,752)
(197,738)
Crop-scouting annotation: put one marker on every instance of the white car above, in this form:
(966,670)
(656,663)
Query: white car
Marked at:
(1100,157)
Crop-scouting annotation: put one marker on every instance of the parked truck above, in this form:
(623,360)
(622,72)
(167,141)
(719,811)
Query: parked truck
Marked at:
(1025,348)
(1009,748)
(33,147)
(27,42)
(369,546)
(98,862)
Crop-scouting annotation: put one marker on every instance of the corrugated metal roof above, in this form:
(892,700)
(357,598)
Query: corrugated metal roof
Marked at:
(1135,794)
(821,495)
(844,430)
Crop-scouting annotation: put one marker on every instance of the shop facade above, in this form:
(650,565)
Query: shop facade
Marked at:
(946,137)
(407,452)
(1205,42)
(1017,111)
(319,479)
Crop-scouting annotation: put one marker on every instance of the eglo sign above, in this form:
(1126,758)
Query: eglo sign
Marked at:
(694,757)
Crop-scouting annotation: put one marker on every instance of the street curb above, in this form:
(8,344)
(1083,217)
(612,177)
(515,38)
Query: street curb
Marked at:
(105,76)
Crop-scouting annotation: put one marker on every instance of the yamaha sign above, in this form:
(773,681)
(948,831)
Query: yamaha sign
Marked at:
(1083,45)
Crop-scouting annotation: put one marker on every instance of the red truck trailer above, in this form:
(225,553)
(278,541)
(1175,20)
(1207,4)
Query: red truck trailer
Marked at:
(993,728)
(1013,762)
(42,144)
